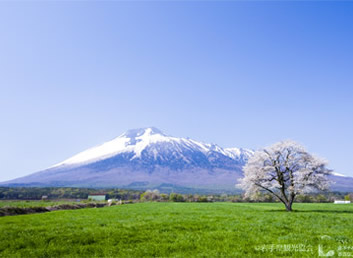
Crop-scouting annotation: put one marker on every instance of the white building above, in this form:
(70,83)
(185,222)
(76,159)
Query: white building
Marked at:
(341,202)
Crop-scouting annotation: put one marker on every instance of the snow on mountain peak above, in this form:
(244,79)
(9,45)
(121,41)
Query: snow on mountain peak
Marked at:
(338,174)
(134,140)
(137,140)
(236,152)
(133,133)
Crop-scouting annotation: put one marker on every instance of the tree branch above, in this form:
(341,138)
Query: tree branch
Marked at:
(272,192)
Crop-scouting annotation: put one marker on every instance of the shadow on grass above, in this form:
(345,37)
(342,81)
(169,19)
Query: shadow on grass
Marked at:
(308,211)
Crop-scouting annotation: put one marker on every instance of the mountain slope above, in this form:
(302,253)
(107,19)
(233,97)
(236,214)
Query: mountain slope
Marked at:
(144,158)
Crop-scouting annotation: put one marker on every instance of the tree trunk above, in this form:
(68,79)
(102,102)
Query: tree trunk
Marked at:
(288,206)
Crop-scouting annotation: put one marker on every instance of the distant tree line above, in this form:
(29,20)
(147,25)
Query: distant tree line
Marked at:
(155,195)
(36,193)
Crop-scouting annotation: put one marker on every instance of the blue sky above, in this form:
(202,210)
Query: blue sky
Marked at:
(244,74)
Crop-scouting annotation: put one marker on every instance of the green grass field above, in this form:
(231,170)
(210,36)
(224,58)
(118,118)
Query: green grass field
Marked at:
(25,204)
(181,230)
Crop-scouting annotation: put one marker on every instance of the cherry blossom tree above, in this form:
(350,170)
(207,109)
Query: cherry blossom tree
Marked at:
(284,170)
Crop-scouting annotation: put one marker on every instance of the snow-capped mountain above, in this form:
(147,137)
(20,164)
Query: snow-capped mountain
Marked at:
(146,158)
(150,146)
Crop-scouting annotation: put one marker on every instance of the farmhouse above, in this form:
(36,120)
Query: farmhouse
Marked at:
(97,197)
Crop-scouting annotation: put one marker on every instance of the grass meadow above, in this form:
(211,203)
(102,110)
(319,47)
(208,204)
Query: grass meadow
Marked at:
(181,230)
(26,204)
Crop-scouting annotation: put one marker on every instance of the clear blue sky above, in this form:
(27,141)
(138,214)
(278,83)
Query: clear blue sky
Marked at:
(244,74)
